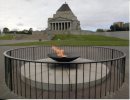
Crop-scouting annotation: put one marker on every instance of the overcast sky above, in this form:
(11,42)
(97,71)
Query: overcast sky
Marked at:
(92,14)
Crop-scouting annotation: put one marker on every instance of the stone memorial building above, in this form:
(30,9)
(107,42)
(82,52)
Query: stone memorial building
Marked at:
(63,20)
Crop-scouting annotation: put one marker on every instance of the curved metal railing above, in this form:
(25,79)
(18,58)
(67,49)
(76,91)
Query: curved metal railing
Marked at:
(99,72)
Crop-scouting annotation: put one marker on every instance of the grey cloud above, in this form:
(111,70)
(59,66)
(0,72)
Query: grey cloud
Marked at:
(20,24)
(28,0)
(34,13)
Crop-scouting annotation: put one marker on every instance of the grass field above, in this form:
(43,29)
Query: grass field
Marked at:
(89,40)
(85,37)
(6,37)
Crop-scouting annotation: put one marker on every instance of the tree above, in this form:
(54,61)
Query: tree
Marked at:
(126,27)
(112,28)
(30,31)
(5,30)
(100,30)
(117,28)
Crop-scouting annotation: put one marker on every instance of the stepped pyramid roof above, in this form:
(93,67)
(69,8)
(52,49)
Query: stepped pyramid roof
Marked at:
(64,7)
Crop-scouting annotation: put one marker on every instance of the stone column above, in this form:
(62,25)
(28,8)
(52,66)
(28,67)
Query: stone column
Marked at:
(67,25)
(51,26)
(61,26)
(64,26)
(70,25)
(58,26)
(55,26)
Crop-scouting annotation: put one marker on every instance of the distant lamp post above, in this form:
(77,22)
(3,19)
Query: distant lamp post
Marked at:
(49,35)
(14,35)
(2,33)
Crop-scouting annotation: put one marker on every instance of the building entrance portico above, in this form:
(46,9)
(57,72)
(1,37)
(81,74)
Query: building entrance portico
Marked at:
(66,25)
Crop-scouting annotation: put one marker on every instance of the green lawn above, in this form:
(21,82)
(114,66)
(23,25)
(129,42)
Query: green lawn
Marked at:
(89,40)
(85,37)
(6,37)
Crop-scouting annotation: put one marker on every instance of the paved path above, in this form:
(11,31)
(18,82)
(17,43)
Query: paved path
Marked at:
(15,41)
(122,35)
(123,93)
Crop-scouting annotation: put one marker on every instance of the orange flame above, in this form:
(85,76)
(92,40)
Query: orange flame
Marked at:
(58,51)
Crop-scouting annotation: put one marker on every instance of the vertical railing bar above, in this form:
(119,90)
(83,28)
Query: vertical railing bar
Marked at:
(95,80)
(35,81)
(20,78)
(83,83)
(16,76)
(40,53)
(114,78)
(10,69)
(91,52)
(23,49)
(55,79)
(69,82)
(76,83)
(121,70)
(8,66)
(101,53)
(124,70)
(122,73)
(89,78)
(101,82)
(120,65)
(111,69)
(33,53)
(62,81)
(18,65)
(117,74)
(48,81)
(26,54)
(110,76)
(104,53)
(88,52)
(13,62)
(25,79)
(106,79)
(6,70)
(30,79)
(41,81)
(86,48)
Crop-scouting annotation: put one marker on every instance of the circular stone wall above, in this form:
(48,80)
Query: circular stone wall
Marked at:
(68,81)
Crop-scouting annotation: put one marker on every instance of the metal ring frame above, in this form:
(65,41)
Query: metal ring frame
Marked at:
(113,59)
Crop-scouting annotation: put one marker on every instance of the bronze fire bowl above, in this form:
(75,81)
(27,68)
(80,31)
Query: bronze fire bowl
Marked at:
(69,57)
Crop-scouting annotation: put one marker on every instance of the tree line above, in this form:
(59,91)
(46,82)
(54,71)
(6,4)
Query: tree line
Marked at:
(7,31)
(116,27)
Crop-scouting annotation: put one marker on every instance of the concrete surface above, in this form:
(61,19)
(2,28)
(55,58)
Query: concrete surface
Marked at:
(5,93)
(51,70)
